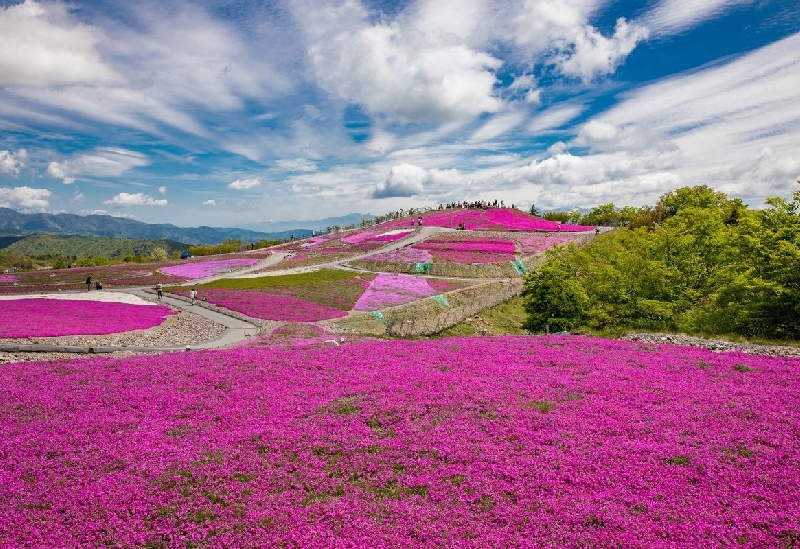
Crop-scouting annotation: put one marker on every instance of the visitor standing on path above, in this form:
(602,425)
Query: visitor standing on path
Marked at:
(160,290)
(192,295)
(88,283)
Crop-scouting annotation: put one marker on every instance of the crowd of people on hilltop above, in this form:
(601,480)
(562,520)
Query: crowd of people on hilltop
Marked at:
(475,204)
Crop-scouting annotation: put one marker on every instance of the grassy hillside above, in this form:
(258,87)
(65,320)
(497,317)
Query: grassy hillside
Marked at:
(90,246)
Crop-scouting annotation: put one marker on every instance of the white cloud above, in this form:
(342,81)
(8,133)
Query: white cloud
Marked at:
(24,199)
(525,85)
(297,165)
(102,162)
(213,203)
(78,198)
(12,162)
(162,190)
(597,131)
(539,24)
(393,69)
(135,199)
(403,180)
(497,126)
(406,180)
(673,16)
(554,117)
(57,170)
(718,116)
(41,45)
(594,55)
(245,184)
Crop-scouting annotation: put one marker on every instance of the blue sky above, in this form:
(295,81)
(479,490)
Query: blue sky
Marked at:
(233,113)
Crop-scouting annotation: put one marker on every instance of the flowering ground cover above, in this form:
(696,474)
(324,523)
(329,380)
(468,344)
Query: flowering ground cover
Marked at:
(530,442)
(497,219)
(463,249)
(36,317)
(208,268)
(534,244)
(306,297)
(6,278)
(340,246)
(387,290)
(126,274)
(270,305)
(402,255)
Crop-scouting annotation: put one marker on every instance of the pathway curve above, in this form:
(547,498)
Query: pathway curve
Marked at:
(238,330)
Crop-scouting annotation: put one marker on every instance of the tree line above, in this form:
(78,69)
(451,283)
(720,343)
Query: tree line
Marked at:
(696,262)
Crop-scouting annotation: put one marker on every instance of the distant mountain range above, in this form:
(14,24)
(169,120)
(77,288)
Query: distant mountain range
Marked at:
(314,224)
(13,222)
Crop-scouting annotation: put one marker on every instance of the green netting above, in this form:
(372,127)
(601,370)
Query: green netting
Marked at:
(379,316)
(519,266)
(422,268)
(441,298)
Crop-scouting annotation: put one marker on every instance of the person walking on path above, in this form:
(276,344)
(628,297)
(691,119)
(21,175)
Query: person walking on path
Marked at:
(160,290)
(88,283)
(192,295)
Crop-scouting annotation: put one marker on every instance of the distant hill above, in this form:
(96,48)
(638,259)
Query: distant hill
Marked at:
(12,221)
(314,224)
(41,244)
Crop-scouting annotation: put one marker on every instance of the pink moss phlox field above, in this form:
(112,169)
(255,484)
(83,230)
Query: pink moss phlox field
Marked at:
(208,268)
(360,237)
(267,306)
(498,219)
(403,255)
(392,236)
(539,243)
(529,442)
(387,290)
(8,278)
(475,250)
(60,317)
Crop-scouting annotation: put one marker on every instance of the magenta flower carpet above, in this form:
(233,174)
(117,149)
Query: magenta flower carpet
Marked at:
(498,219)
(8,278)
(472,250)
(538,243)
(529,442)
(403,255)
(60,317)
(269,306)
(387,290)
(202,269)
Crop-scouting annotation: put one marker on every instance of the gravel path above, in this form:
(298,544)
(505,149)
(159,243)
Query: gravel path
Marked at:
(179,330)
(715,345)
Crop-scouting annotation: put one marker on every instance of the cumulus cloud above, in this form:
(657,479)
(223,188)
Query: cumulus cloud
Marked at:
(57,170)
(162,190)
(12,162)
(213,203)
(245,184)
(41,45)
(102,162)
(24,199)
(135,199)
(391,68)
(593,55)
(78,198)
(405,180)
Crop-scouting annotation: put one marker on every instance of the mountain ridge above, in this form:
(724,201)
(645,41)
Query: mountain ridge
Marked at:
(12,221)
